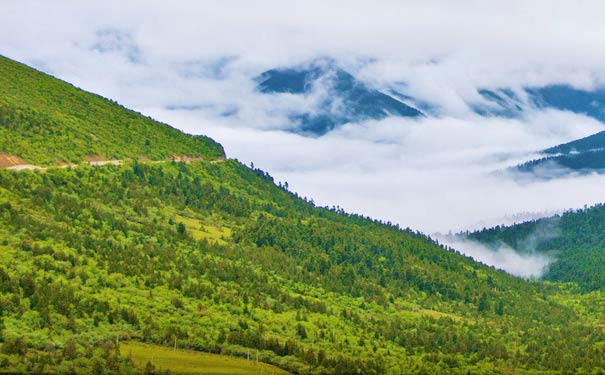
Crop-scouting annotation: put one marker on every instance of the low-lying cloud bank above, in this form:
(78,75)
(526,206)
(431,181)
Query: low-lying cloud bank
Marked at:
(430,174)
(504,257)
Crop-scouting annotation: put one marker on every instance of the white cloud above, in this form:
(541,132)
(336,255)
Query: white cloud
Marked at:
(505,258)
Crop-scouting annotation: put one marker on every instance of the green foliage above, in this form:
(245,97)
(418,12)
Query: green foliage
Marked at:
(91,255)
(47,121)
(575,240)
(156,359)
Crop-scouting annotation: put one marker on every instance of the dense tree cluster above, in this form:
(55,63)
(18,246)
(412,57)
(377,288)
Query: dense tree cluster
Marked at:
(215,257)
(46,121)
(575,240)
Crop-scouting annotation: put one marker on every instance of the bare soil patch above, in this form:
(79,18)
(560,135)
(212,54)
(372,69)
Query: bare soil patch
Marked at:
(7,160)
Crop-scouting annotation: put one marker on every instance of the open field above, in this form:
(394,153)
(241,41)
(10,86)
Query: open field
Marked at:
(181,361)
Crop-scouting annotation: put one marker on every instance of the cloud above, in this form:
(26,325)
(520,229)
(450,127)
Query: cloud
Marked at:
(175,52)
(117,41)
(526,265)
(434,44)
(525,261)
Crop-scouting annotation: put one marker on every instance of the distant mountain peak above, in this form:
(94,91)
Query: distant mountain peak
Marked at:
(582,156)
(301,78)
(506,102)
(346,99)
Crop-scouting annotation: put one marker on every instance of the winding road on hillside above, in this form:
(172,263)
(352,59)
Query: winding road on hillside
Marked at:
(13,162)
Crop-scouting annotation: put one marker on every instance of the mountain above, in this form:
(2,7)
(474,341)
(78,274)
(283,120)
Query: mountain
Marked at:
(507,102)
(342,98)
(209,255)
(567,98)
(575,240)
(338,98)
(582,156)
(500,102)
(592,143)
(46,121)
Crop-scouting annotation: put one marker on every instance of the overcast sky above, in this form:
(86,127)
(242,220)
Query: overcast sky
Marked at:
(189,63)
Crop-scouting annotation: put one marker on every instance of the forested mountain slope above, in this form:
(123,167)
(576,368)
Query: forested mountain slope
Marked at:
(581,156)
(585,155)
(46,121)
(218,258)
(214,256)
(575,239)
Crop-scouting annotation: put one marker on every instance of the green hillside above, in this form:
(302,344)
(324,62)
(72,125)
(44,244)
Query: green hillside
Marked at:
(220,259)
(46,121)
(213,256)
(575,239)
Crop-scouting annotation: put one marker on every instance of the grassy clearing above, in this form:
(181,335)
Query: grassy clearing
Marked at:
(190,362)
(199,230)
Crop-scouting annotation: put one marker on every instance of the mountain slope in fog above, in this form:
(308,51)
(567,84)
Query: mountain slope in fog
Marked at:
(342,98)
